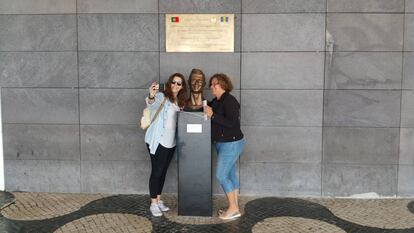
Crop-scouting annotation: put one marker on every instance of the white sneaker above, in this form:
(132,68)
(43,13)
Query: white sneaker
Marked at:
(155,210)
(162,207)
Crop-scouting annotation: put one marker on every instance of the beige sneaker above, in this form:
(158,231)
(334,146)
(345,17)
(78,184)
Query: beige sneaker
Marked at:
(155,210)
(162,207)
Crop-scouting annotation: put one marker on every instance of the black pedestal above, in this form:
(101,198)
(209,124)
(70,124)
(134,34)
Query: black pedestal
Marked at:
(194,165)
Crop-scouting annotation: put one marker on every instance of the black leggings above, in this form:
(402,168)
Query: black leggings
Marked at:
(159,163)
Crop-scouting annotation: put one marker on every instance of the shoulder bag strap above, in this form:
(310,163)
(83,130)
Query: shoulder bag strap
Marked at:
(159,110)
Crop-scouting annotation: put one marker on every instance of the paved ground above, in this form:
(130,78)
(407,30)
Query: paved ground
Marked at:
(52,212)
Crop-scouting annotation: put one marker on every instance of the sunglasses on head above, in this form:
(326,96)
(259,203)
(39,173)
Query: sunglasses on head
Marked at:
(176,82)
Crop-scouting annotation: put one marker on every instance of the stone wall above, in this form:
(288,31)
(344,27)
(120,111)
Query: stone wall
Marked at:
(325,88)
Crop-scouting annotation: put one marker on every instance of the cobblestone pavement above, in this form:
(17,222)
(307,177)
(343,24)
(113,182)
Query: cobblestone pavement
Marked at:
(53,212)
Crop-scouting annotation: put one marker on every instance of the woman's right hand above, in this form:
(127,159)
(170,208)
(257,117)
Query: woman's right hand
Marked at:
(153,89)
(208,111)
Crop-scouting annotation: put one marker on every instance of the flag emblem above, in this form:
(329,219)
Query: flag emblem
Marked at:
(175,19)
(224,19)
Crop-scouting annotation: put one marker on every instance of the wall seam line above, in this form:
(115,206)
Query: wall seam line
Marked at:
(79,120)
(401,110)
(323,99)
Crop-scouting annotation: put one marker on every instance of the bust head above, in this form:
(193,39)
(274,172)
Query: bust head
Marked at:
(196,81)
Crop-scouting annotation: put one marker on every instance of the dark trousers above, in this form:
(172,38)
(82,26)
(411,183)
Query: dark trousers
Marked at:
(159,166)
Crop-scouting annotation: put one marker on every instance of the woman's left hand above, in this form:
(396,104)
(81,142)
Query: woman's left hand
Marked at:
(208,111)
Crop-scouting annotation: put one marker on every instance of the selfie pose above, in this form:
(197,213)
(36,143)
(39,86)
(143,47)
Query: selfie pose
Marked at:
(227,137)
(160,136)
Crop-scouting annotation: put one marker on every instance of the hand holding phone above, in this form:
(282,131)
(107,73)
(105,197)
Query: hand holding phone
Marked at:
(153,89)
(161,87)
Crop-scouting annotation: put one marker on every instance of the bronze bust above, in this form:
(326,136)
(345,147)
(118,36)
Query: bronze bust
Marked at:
(197,82)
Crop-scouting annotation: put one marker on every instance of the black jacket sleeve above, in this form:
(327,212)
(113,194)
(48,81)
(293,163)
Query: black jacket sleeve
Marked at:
(230,117)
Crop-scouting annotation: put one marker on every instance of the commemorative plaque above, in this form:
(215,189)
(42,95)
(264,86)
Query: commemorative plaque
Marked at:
(199,32)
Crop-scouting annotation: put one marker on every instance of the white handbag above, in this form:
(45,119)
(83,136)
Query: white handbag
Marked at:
(146,120)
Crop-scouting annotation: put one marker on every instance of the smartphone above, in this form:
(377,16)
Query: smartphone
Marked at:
(161,87)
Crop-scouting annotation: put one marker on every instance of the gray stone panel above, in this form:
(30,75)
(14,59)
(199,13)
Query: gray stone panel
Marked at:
(409,32)
(113,142)
(161,34)
(362,108)
(38,69)
(280,144)
(361,145)
(45,105)
(409,6)
(114,6)
(406,146)
(111,106)
(118,69)
(283,32)
(210,63)
(118,32)
(408,79)
(365,32)
(282,70)
(363,70)
(347,180)
(122,177)
(280,179)
(37,32)
(406,181)
(115,176)
(199,6)
(407,111)
(366,6)
(281,108)
(42,176)
(53,142)
(37,7)
(283,6)
(237,32)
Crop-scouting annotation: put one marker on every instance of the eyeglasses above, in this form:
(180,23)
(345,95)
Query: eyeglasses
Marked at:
(214,84)
(176,82)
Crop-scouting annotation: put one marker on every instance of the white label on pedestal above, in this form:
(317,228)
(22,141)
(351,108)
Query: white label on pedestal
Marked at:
(194,128)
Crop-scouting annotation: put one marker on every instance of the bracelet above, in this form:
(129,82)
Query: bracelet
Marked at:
(149,97)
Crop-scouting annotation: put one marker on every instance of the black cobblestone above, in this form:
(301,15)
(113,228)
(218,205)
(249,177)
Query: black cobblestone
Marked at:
(255,211)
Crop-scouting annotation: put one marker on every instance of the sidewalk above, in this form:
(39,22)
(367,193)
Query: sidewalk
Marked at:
(53,212)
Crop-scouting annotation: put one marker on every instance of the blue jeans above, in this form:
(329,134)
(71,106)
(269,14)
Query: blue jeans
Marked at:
(228,153)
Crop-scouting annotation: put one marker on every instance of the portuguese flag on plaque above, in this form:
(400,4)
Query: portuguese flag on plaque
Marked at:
(175,19)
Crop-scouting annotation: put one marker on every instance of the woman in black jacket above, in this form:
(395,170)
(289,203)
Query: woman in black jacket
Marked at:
(227,137)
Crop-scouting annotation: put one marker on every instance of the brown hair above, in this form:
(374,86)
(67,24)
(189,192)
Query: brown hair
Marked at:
(197,71)
(182,95)
(223,80)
